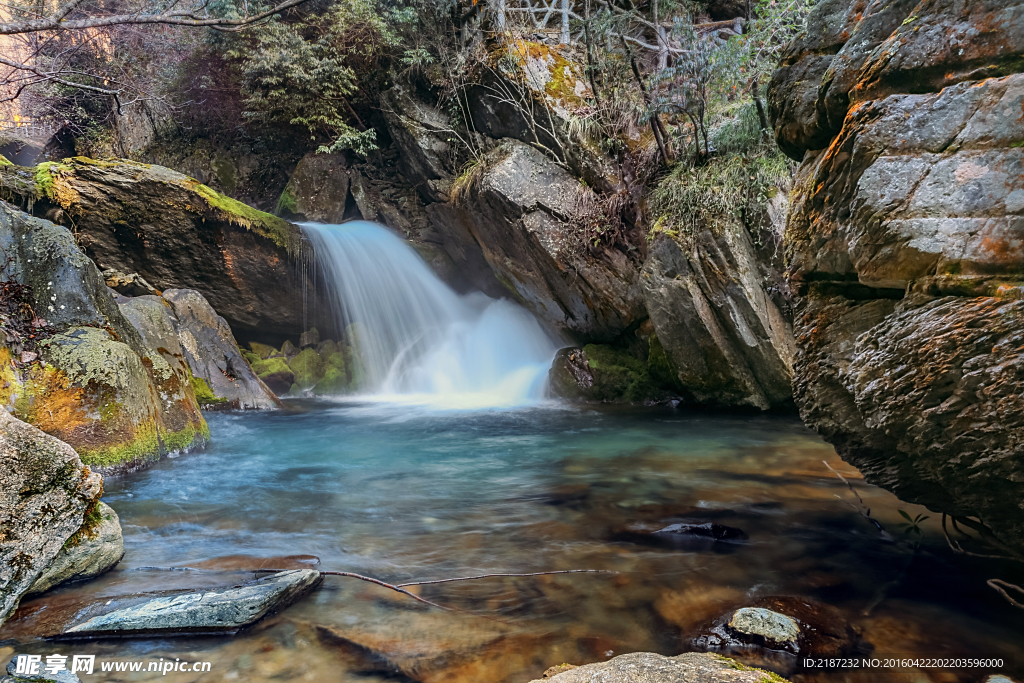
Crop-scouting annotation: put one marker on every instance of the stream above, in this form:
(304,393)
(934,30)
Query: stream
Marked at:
(400,490)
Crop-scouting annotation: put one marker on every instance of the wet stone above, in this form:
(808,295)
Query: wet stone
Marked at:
(217,611)
(64,676)
(756,621)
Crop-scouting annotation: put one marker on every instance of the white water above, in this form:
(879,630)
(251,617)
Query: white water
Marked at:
(419,341)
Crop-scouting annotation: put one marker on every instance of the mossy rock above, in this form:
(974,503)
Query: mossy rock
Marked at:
(251,357)
(335,379)
(276,374)
(619,376)
(327,347)
(264,351)
(205,396)
(308,368)
(289,350)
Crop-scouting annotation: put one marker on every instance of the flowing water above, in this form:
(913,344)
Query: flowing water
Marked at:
(407,492)
(409,483)
(416,337)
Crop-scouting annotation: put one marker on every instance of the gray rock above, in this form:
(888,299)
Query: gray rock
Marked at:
(646,667)
(904,246)
(64,676)
(729,339)
(212,353)
(517,213)
(93,554)
(220,611)
(44,493)
(130,408)
(756,621)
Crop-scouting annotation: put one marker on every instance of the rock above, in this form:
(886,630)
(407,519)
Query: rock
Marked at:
(308,368)
(119,402)
(212,353)
(177,233)
(570,375)
(778,631)
(310,337)
(719,312)
(220,611)
(63,676)
(128,284)
(903,245)
(557,669)
(516,213)
(275,373)
(45,492)
(647,667)
(682,536)
(764,623)
(92,550)
(318,190)
(289,350)
(264,351)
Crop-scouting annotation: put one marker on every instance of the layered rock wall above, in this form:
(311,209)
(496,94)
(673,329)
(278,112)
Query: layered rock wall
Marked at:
(906,245)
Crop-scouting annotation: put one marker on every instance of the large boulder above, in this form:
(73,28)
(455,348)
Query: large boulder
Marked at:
(82,372)
(212,353)
(92,550)
(45,494)
(516,210)
(722,319)
(174,232)
(905,243)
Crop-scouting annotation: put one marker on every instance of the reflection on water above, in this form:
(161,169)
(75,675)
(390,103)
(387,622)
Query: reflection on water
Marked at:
(402,493)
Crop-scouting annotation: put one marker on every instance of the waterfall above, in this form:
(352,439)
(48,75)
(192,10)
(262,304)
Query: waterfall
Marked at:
(415,337)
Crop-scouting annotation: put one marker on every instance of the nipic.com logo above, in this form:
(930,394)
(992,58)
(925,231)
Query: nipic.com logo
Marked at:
(35,665)
(31,665)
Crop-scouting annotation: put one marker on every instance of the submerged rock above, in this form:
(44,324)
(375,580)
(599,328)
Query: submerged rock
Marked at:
(647,667)
(45,492)
(63,676)
(777,631)
(218,611)
(682,536)
(904,246)
(93,550)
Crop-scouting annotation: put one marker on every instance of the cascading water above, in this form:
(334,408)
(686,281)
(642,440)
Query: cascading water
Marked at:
(416,338)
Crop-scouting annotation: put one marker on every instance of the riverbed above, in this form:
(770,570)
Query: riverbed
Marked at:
(402,491)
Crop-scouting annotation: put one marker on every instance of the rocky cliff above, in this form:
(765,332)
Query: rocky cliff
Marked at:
(905,243)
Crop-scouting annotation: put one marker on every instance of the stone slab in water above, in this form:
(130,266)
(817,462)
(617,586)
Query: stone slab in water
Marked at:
(647,667)
(219,611)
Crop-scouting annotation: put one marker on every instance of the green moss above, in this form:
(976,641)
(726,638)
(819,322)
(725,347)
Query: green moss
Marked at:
(225,171)
(4,161)
(619,376)
(335,379)
(263,224)
(769,677)
(143,446)
(185,438)
(44,177)
(308,368)
(92,519)
(264,351)
(1018,143)
(286,203)
(204,394)
(251,357)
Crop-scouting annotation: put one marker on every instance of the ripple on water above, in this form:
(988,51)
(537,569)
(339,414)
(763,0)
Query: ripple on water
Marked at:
(438,493)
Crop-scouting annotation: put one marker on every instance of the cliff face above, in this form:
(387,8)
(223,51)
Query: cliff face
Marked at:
(905,244)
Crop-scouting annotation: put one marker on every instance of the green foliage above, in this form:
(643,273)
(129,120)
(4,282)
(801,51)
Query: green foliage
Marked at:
(691,199)
(913,525)
(304,73)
